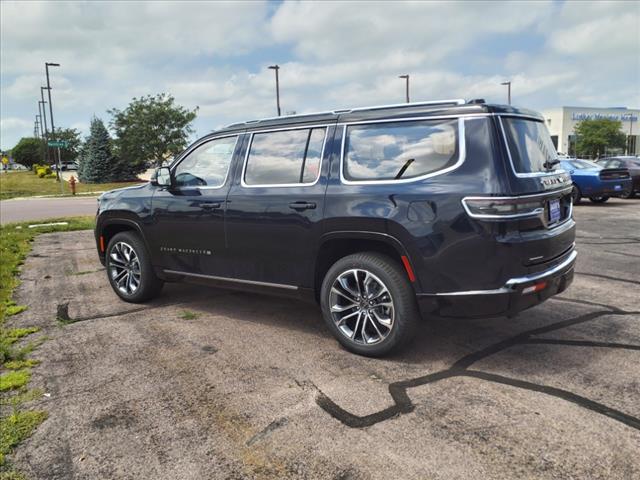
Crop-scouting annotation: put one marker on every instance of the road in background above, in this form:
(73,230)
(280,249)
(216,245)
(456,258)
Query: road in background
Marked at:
(23,209)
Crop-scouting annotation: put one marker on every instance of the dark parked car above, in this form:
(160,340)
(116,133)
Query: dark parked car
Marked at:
(380,214)
(591,180)
(630,163)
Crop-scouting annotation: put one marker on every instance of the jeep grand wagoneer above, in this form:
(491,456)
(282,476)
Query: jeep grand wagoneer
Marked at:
(383,215)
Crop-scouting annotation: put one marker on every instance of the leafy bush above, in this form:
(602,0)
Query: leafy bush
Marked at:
(41,172)
(50,175)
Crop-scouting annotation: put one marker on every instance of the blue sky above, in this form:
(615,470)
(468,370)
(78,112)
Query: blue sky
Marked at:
(333,55)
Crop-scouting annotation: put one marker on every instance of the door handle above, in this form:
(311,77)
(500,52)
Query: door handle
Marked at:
(210,205)
(302,205)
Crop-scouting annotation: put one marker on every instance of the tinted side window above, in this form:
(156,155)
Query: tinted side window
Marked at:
(207,165)
(284,158)
(400,150)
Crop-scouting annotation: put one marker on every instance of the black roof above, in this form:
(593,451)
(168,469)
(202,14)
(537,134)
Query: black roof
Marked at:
(425,109)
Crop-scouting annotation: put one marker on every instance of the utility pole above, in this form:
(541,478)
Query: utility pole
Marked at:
(53,128)
(46,131)
(276,68)
(406,77)
(508,84)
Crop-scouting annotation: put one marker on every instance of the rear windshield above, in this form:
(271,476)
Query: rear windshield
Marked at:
(529,144)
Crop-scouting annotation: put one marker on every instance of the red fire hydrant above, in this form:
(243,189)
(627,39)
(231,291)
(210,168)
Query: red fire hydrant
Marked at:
(72,184)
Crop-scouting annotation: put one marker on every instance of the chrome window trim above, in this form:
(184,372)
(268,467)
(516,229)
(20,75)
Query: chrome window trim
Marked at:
(535,213)
(462,153)
(513,283)
(284,185)
(234,280)
(506,145)
(198,145)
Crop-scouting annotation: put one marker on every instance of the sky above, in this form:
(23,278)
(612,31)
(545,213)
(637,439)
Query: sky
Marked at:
(333,55)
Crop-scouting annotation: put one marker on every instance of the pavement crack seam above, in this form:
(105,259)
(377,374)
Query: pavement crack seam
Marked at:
(403,404)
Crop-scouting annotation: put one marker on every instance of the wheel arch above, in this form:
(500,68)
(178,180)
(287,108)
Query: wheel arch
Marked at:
(108,227)
(336,245)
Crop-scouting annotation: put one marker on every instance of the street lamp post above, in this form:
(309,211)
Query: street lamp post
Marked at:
(53,128)
(508,84)
(276,68)
(46,130)
(43,132)
(406,77)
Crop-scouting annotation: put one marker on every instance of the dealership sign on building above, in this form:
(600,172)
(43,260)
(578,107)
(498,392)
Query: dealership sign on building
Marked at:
(625,117)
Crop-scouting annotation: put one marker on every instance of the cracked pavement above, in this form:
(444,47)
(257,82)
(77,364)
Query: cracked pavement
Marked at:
(256,387)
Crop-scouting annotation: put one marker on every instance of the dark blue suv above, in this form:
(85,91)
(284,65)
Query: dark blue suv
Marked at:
(381,215)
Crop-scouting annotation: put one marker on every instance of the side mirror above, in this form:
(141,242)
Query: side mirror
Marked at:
(162,177)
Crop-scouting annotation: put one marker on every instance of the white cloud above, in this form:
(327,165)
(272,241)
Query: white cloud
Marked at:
(333,55)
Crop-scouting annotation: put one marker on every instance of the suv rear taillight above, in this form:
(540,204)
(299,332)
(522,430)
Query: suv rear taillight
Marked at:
(503,208)
(551,208)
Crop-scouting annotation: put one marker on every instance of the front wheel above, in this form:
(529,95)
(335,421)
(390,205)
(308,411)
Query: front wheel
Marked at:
(369,304)
(129,269)
(599,199)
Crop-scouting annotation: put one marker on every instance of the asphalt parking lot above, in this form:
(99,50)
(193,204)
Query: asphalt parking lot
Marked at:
(206,383)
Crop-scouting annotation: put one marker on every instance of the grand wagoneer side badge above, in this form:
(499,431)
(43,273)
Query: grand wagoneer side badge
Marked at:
(189,251)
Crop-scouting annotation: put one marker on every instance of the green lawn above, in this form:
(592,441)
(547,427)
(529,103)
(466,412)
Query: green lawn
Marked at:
(17,420)
(27,184)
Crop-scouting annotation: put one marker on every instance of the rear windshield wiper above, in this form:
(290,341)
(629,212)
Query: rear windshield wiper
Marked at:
(550,164)
(404,168)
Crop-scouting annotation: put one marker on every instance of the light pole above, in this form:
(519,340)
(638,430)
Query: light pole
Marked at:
(406,77)
(53,128)
(631,142)
(276,68)
(36,127)
(508,84)
(43,114)
(46,131)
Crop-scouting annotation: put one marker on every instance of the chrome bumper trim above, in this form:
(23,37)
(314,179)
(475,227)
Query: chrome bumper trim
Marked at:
(513,283)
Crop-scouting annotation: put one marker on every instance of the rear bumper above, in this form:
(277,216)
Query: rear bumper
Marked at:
(516,294)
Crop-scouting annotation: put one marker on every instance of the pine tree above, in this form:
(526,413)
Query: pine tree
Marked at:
(97,164)
(82,161)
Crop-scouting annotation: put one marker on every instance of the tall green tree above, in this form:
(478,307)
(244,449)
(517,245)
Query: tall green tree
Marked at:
(594,136)
(97,158)
(72,137)
(29,150)
(150,130)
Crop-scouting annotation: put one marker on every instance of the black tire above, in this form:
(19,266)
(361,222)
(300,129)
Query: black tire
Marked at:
(602,199)
(403,313)
(576,195)
(149,285)
(627,194)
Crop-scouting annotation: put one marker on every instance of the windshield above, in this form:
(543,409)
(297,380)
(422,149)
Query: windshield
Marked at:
(530,145)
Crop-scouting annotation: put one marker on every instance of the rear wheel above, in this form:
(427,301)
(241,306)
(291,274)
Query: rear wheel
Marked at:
(369,304)
(599,199)
(576,195)
(627,194)
(129,269)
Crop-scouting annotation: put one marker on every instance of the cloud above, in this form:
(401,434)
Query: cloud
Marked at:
(214,55)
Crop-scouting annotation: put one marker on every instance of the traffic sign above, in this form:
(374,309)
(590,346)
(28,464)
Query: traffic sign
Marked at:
(59,144)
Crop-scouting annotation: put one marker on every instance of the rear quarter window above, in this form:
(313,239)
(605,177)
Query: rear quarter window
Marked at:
(399,151)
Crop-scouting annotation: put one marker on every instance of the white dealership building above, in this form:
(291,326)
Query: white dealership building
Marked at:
(562,120)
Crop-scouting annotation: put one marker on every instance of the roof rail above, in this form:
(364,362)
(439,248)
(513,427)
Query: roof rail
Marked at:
(455,101)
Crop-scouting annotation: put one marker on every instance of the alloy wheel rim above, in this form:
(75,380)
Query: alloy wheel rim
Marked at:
(124,268)
(361,307)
